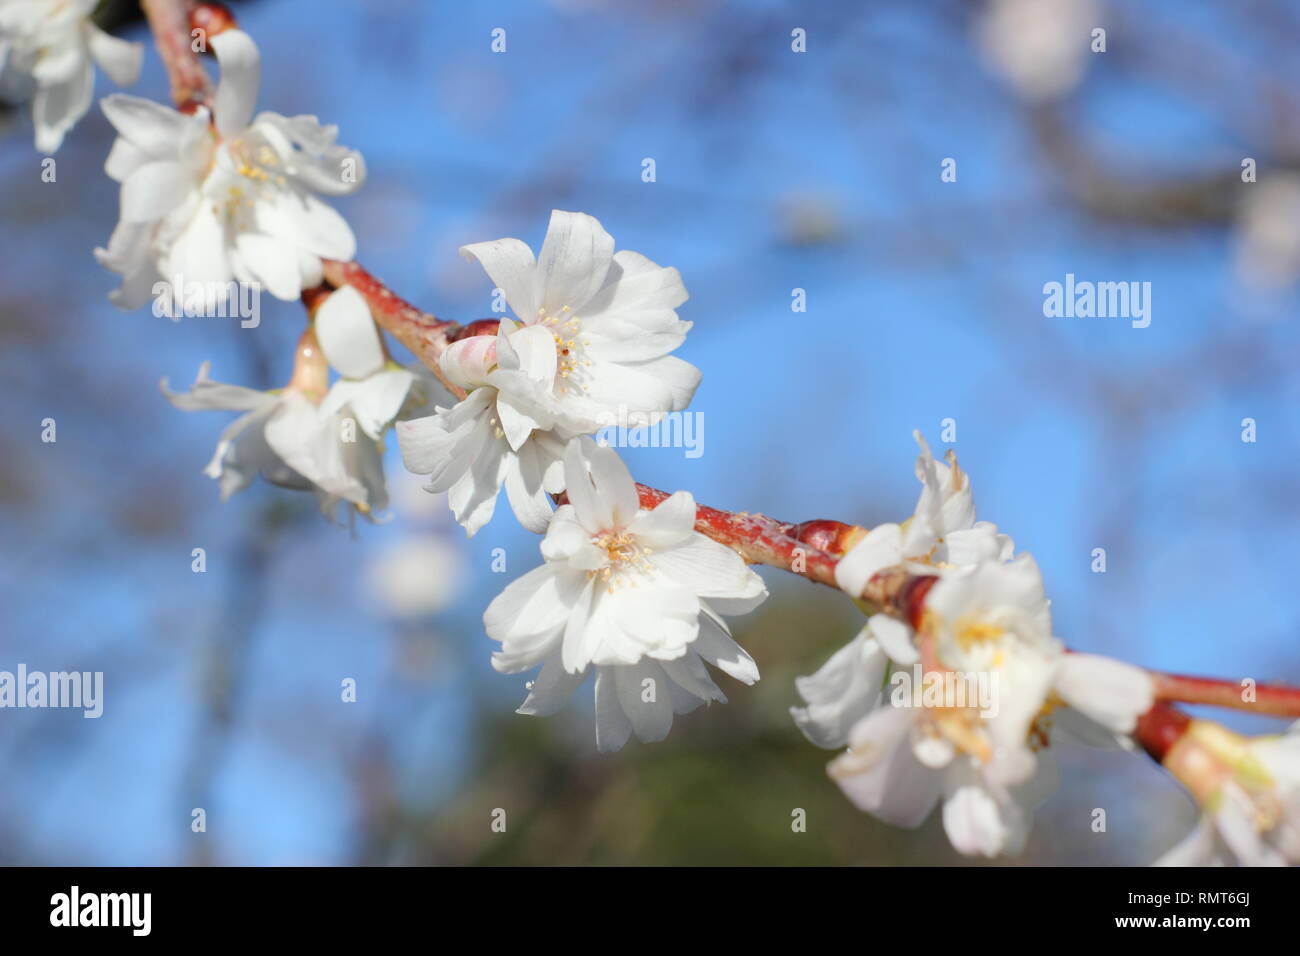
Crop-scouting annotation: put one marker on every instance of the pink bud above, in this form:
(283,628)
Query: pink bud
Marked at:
(466,363)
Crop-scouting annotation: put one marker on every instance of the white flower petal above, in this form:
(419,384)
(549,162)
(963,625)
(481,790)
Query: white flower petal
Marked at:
(1109,692)
(528,617)
(881,775)
(613,727)
(974,820)
(713,571)
(877,550)
(668,524)
(841,692)
(524,488)
(207,394)
(273,263)
(150,126)
(572,265)
(241,75)
(635,284)
(715,644)
(509,263)
(153,190)
(550,690)
(118,58)
(347,334)
(124,158)
(57,107)
(643,692)
(604,498)
(895,639)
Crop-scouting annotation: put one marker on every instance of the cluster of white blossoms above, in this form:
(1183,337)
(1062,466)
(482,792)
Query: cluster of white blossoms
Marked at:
(215,198)
(312,435)
(985,617)
(633,595)
(212,199)
(593,340)
(48,51)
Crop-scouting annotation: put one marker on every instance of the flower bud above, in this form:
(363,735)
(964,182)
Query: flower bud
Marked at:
(311,371)
(466,363)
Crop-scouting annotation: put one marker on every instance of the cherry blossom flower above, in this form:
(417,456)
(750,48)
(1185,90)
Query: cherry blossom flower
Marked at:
(591,348)
(942,529)
(635,595)
(986,616)
(1249,789)
(235,202)
(508,431)
(942,532)
(611,315)
(284,436)
(48,49)
(990,619)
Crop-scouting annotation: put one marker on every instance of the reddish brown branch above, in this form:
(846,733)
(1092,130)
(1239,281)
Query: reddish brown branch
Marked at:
(810,549)
(170,22)
(800,549)
(424,334)
(1275,699)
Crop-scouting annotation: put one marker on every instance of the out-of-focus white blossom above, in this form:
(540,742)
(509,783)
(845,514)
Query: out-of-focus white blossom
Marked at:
(417,575)
(1040,47)
(987,623)
(48,50)
(235,201)
(1268,241)
(635,595)
(1249,791)
(942,531)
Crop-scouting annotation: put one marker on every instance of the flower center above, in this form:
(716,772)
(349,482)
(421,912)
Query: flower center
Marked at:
(974,633)
(627,559)
(257,167)
(256,161)
(569,349)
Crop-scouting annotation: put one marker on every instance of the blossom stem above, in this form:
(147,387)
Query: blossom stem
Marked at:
(170,22)
(798,548)
(1277,700)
